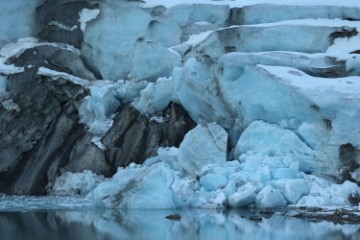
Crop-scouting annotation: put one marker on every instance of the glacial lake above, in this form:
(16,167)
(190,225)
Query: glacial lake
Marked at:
(73,218)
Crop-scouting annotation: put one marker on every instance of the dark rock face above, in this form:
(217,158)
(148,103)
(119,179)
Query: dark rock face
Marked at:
(38,121)
(58,21)
(32,102)
(87,156)
(349,157)
(32,171)
(135,137)
(22,127)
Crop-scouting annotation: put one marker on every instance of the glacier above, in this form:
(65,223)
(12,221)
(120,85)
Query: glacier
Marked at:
(183,104)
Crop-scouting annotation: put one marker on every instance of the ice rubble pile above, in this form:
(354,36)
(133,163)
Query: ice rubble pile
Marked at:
(275,97)
(283,94)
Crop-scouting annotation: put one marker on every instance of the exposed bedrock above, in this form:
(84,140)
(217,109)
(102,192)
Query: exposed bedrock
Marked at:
(33,169)
(134,137)
(31,102)
(61,21)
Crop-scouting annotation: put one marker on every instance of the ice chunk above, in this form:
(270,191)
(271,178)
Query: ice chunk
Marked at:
(198,91)
(205,144)
(270,197)
(109,49)
(152,61)
(76,183)
(244,196)
(127,91)
(324,193)
(141,187)
(260,136)
(97,110)
(155,97)
(316,134)
(212,182)
(284,173)
(295,189)
(167,155)
(86,15)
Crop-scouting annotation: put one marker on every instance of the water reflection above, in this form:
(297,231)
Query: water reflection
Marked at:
(152,224)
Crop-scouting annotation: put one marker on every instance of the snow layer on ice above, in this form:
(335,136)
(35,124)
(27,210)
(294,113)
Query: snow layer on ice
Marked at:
(241,3)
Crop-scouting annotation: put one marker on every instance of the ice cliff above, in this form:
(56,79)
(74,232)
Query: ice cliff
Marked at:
(165,104)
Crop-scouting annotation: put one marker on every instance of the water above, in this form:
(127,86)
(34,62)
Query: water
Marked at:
(73,218)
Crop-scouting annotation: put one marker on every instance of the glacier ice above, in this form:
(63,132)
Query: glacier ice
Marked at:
(211,137)
(24,19)
(151,61)
(155,96)
(97,110)
(275,97)
(110,53)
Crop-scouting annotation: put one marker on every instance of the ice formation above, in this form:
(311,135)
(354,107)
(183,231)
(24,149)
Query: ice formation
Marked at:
(275,98)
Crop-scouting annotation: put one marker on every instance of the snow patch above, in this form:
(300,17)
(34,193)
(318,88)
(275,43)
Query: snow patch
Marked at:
(62,26)
(86,15)
(55,75)
(70,184)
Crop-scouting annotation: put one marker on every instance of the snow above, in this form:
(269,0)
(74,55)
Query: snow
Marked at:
(242,3)
(342,46)
(312,22)
(62,26)
(18,47)
(55,75)
(86,15)
(71,184)
(197,38)
(9,105)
